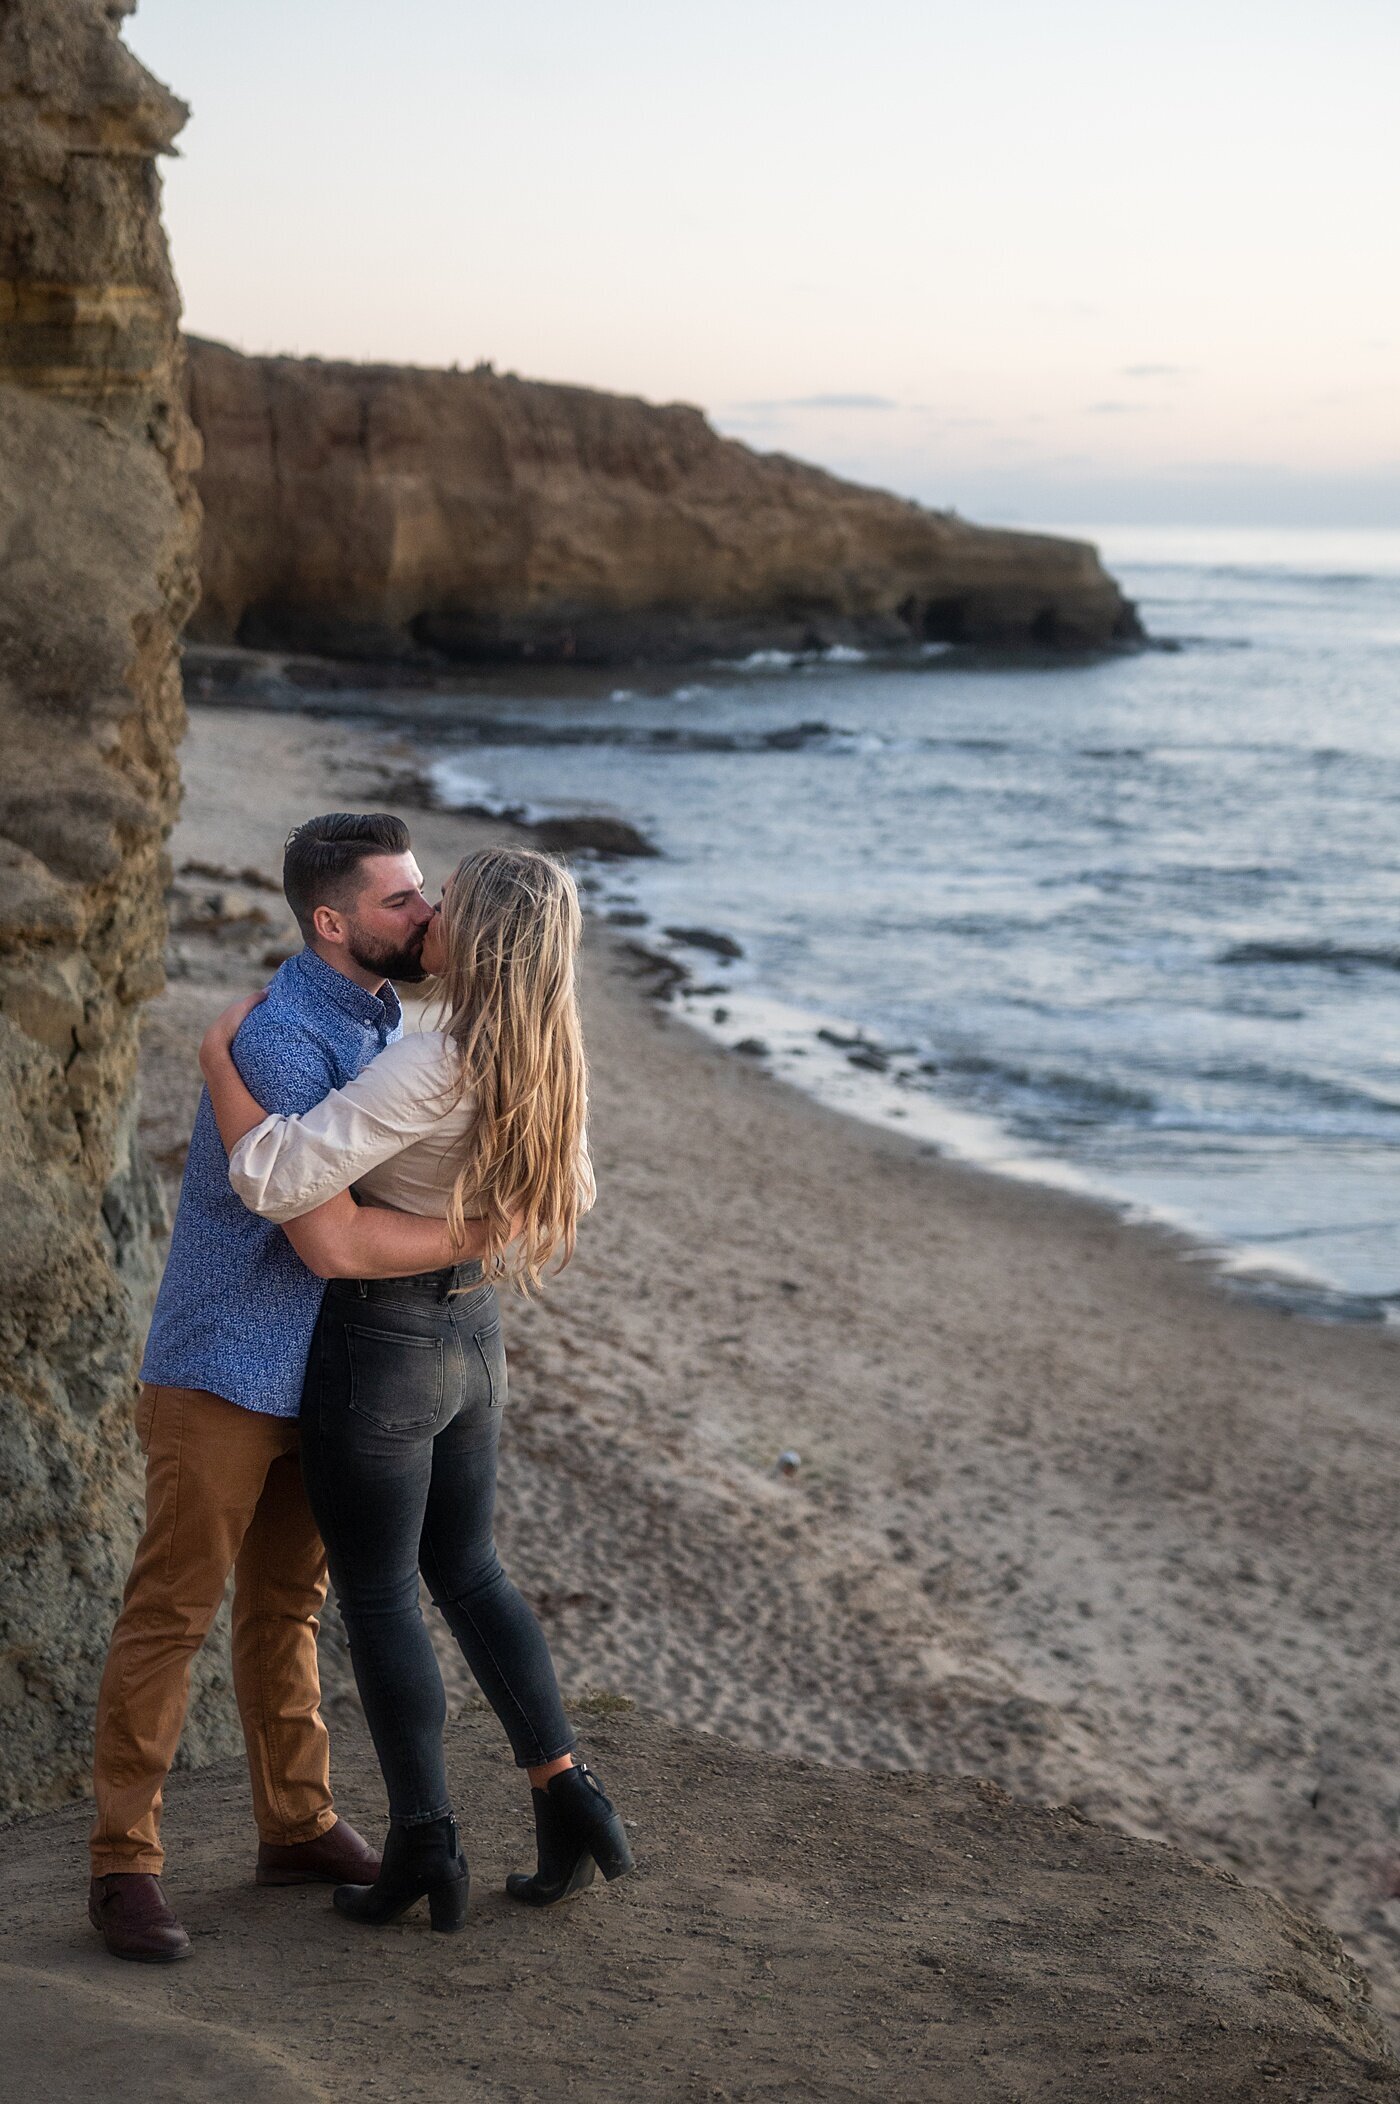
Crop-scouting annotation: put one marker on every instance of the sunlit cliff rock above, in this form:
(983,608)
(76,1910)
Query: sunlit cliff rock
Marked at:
(377,511)
(97,520)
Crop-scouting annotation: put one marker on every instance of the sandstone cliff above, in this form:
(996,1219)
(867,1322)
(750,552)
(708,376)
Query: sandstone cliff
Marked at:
(97,518)
(378,511)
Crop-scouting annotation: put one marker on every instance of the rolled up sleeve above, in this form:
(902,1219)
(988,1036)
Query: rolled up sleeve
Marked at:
(288,1166)
(587,1182)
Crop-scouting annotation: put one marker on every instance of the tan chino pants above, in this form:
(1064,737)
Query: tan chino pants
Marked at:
(223,1493)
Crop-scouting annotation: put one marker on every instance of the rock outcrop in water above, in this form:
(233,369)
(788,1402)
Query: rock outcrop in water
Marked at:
(97,517)
(378,512)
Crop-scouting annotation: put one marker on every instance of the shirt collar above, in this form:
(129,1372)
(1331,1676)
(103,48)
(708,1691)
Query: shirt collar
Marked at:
(379,1011)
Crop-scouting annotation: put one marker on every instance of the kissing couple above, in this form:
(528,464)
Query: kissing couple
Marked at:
(324,1380)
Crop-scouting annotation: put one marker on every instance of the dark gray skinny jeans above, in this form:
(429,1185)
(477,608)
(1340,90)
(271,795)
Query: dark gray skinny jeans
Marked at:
(400,1423)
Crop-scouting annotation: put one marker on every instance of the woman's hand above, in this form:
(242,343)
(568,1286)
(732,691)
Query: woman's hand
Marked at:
(236,1109)
(217,1040)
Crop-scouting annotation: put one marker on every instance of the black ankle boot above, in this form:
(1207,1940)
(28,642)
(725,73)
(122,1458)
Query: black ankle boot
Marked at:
(575,1827)
(424,1859)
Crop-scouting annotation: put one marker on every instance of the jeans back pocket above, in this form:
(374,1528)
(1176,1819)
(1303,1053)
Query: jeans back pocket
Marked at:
(396,1379)
(490,1347)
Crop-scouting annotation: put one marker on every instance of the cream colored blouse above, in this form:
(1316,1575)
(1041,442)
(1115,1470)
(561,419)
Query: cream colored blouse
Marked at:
(394,1134)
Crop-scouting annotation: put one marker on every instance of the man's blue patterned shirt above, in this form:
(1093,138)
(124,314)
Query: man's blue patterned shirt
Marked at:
(237,1306)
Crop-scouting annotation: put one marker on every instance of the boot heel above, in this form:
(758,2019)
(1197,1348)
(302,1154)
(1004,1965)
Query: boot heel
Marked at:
(611,1851)
(447,1906)
(576,1830)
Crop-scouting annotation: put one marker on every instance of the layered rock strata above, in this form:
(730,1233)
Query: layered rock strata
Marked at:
(384,511)
(97,522)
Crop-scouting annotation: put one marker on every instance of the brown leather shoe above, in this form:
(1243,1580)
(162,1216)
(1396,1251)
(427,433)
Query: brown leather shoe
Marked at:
(136,1922)
(340,1856)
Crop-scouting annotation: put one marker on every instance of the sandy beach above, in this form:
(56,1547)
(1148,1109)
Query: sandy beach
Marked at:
(1069,1516)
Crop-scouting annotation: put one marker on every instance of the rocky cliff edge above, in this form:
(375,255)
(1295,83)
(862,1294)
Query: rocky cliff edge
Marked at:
(97,525)
(382,512)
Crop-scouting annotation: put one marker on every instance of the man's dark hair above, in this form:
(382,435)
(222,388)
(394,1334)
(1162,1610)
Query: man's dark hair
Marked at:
(321,860)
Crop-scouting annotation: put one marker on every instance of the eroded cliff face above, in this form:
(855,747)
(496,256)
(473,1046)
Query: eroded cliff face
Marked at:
(97,518)
(371,511)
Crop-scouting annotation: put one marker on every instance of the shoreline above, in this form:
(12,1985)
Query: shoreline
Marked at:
(1067,1515)
(833,1061)
(869,1079)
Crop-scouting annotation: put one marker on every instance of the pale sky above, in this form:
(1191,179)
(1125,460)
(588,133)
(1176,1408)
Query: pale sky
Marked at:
(1053,261)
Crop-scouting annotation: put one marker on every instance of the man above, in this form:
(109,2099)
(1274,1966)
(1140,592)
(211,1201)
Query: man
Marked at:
(217,1416)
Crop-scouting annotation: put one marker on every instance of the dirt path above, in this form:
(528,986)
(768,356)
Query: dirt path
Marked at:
(792,1932)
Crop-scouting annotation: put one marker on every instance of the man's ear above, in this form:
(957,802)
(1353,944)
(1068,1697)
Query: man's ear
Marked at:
(328,924)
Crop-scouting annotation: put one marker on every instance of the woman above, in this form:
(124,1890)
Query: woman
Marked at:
(481,1121)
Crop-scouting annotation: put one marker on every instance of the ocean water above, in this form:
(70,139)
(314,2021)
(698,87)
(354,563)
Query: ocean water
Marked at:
(1130,924)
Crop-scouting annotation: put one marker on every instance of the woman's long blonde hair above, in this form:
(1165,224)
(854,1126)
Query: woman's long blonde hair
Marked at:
(511,932)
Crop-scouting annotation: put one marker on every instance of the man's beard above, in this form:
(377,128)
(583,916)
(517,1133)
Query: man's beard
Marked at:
(405,962)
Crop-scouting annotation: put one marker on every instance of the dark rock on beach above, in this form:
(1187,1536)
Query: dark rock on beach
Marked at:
(706,939)
(664,976)
(254,879)
(563,833)
(612,838)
